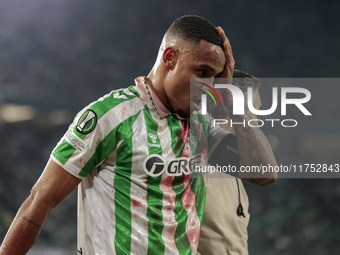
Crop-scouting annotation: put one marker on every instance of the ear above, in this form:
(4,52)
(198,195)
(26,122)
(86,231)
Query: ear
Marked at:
(169,58)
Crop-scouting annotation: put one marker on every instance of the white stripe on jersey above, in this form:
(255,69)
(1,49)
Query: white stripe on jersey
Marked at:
(96,211)
(139,206)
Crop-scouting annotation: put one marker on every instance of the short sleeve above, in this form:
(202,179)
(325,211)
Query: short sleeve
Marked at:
(94,133)
(77,150)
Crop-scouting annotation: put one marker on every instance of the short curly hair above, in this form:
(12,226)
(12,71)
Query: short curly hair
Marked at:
(193,29)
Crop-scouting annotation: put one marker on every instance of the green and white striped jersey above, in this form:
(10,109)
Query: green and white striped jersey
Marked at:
(137,195)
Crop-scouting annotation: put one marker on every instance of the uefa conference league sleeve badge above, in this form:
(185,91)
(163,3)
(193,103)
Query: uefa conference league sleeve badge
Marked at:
(87,122)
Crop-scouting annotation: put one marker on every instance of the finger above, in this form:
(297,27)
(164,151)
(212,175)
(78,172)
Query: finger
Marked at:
(221,33)
(227,49)
(226,42)
(230,62)
(229,57)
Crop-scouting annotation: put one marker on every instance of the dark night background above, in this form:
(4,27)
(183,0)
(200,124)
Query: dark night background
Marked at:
(58,56)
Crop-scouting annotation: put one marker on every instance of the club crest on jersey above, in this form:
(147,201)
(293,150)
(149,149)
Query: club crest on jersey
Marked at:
(87,122)
(155,165)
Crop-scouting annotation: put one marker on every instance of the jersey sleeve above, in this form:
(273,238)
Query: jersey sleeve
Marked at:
(77,151)
(94,133)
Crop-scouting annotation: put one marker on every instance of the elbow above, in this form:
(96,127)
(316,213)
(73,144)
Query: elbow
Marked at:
(261,182)
(266,181)
(268,178)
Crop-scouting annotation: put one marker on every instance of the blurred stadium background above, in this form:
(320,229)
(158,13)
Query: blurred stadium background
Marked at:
(57,56)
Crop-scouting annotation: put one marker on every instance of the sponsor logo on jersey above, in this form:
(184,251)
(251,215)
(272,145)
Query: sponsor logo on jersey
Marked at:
(155,165)
(153,137)
(87,122)
(153,140)
(75,141)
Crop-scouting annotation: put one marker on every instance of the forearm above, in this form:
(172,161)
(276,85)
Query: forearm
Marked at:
(52,188)
(254,150)
(25,228)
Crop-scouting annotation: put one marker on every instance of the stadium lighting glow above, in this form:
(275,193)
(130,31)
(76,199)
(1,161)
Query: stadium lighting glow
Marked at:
(11,113)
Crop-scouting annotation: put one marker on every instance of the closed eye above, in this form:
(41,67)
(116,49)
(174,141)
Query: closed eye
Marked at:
(203,73)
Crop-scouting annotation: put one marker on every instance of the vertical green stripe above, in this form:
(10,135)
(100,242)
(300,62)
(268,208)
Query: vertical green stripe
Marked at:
(122,186)
(197,182)
(107,145)
(205,124)
(151,128)
(181,215)
(154,199)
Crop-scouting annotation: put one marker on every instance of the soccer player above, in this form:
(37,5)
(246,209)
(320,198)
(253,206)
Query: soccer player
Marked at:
(130,152)
(226,217)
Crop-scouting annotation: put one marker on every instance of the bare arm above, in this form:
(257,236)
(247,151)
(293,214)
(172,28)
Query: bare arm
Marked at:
(253,146)
(254,151)
(52,188)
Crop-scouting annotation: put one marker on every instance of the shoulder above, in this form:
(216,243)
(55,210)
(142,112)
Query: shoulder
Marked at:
(114,99)
(117,101)
(108,111)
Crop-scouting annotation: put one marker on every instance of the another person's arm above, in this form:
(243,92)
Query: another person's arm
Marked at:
(53,187)
(253,146)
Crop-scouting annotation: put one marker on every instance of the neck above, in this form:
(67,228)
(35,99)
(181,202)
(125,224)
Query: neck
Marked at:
(156,81)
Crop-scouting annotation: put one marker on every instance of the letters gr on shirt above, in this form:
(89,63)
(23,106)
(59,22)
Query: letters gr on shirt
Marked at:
(155,165)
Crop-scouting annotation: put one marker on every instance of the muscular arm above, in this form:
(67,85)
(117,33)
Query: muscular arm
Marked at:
(248,148)
(52,188)
(252,144)
(254,150)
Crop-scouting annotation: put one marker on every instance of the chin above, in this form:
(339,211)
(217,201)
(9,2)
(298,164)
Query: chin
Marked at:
(183,114)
